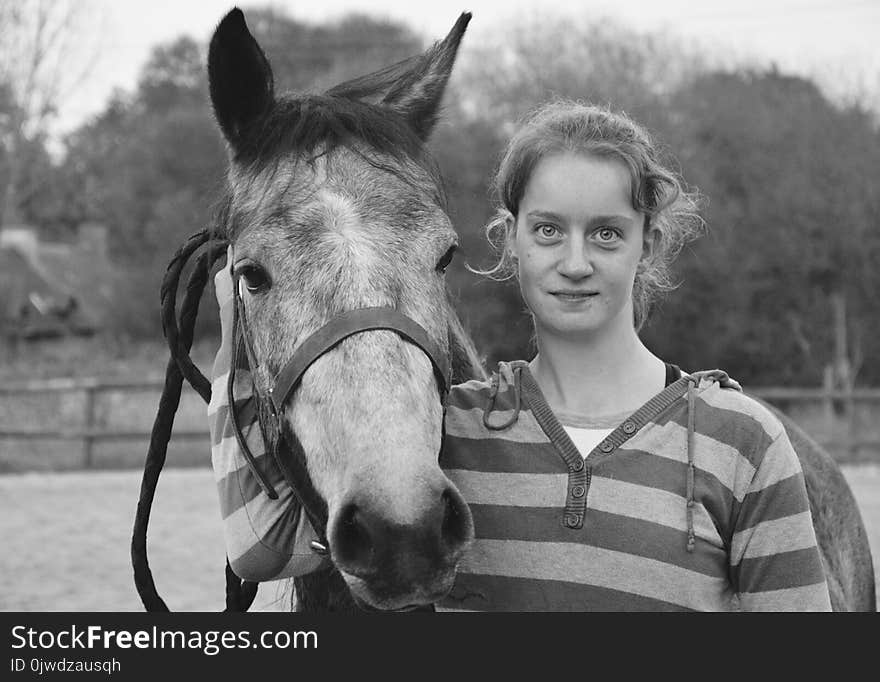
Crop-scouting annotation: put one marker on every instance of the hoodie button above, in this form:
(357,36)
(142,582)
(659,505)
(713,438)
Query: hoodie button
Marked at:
(577,466)
(606,447)
(572,520)
(629,428)
(578,491)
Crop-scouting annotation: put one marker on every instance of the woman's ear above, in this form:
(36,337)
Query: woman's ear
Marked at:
(510,236)
(650,242)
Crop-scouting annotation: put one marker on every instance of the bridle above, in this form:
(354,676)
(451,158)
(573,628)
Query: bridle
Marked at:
(284,445)
(179,330)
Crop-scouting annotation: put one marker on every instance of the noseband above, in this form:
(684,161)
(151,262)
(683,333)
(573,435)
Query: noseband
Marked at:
(293,463)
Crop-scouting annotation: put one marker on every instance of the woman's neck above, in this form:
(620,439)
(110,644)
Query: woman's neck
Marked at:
(597,376)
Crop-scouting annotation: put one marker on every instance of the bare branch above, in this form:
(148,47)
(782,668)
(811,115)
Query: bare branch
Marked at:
(795,323)
(38,58)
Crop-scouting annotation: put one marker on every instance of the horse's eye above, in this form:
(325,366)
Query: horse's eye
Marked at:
(256,279)
(444,262)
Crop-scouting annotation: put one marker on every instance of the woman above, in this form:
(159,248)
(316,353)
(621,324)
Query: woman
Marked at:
(599,476)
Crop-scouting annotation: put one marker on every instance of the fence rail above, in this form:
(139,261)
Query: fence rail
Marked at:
(838,420)
(815,394)
(88,433)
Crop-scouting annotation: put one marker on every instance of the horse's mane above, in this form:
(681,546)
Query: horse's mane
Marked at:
(465,360)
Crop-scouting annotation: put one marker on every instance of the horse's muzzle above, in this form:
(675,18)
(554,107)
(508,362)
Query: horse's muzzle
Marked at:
(388,564)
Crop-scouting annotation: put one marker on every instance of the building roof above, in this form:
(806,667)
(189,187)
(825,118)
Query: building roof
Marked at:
(54,288)
(17,280)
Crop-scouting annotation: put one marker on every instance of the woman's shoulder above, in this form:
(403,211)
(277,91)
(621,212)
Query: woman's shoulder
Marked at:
(726,405)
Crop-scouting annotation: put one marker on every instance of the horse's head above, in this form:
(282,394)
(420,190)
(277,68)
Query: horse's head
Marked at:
(334,205)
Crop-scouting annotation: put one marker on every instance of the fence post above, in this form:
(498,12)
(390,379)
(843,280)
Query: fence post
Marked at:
(88,426)
(828,408)
(852,439)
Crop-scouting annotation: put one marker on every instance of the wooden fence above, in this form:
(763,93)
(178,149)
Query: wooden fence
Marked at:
(838,415)
(847,423)
(87,432)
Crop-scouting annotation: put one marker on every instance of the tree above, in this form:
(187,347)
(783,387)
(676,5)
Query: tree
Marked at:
(318,56)
(149,167)
(792,214)
(522,65)
(39,64)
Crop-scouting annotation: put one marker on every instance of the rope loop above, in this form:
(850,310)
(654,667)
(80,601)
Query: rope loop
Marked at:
(178,329)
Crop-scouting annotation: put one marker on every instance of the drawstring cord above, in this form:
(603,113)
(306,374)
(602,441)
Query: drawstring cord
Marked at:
(493,393)
(690,468)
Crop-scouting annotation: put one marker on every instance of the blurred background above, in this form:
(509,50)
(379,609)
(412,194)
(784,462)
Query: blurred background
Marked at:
(109,158)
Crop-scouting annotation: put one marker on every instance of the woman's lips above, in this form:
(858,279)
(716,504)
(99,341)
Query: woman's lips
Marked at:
(573,295)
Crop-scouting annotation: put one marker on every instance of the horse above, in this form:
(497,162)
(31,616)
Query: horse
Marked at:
(840,533)
(337,218)
(333,205)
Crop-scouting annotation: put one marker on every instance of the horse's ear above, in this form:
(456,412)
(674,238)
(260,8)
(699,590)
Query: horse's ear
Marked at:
(239,75)
(416,96)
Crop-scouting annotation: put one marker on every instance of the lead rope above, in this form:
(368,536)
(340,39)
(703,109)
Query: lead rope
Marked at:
(239,595)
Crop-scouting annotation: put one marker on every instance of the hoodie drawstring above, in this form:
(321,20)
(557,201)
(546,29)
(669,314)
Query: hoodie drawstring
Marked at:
(493,393)
(691,468)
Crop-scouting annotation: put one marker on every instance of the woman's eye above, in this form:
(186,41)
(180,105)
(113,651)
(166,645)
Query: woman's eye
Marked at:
(547,231)
(444,262)
(607,234)
(256,279)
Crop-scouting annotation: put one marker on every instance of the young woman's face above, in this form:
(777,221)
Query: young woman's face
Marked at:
(578,243)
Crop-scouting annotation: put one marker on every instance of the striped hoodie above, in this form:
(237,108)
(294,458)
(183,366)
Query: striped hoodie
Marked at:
(695,502)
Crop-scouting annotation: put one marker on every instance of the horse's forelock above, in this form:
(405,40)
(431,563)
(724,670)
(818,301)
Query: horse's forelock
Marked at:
(304,125)
(291,169)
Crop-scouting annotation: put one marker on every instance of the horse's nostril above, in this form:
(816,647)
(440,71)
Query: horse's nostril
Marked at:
(354,546)
(449,514)
(455,526)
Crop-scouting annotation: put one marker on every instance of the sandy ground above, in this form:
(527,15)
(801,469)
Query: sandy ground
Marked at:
(66,538)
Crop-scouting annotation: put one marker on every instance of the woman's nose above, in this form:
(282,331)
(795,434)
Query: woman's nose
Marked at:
(576,262)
